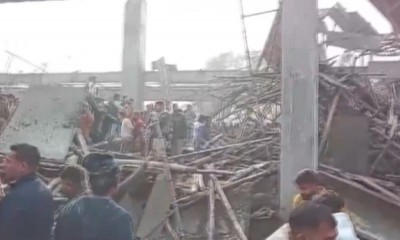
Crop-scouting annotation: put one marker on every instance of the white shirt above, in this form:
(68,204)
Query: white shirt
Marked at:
(281,233)
(344,227)
(126,128)
(196,129)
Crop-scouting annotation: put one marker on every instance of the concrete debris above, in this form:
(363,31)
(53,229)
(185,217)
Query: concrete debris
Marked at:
(46,117)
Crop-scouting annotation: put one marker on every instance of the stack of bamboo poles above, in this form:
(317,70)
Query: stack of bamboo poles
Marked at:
(251,111)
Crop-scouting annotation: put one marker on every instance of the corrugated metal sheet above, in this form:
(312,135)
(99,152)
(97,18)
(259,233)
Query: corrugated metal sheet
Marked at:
(46,117)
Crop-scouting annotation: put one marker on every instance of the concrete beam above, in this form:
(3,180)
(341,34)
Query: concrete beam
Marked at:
(194,76)
(390,70)
(179,77)
(354,41)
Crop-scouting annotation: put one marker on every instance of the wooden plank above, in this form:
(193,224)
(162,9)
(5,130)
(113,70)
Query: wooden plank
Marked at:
(229,210)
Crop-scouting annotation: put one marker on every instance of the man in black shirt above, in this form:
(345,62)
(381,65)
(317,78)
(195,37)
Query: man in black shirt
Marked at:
(26,212)
(96,216)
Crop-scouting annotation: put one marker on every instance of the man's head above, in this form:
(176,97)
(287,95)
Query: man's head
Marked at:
(103,173)
(92,79)
(22,161)
(311,221)
(84,108)
(167,105)
(149,107)
(136,116)
(122,115)
(189,107)
(159,106)
(330,199)
(73,181)
(117,97)
(308,183)
(207,120)
(201,119)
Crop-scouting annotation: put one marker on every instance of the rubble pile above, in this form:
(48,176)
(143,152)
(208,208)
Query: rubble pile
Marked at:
(252,111)
(245,150)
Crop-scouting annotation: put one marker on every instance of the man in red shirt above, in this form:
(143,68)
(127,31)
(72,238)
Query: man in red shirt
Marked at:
(138,131)
(86,121)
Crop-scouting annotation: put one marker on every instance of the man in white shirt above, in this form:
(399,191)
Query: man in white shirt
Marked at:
(126,131)
(335,203)
(309,221)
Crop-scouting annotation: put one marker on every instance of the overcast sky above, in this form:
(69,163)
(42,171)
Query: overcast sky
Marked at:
(86,35)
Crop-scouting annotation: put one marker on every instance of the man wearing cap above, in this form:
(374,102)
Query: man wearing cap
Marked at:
(96,216)
(26,212)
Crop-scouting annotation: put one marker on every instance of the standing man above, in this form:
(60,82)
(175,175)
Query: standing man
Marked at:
(190,117)
(138,132)
(196,128)
(115,106)
(147,113)
(128,107)
(86,122)
(309,185)
(26,212)
(201,133)
(96,216)
(91,86)
(165,120)
(126,132)
(178,130)
(154,129)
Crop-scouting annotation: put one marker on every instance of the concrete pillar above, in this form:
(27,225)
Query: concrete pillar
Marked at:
(299,140)
(133,64)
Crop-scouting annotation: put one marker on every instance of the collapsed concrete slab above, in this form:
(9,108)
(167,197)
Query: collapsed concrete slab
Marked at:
(46,117)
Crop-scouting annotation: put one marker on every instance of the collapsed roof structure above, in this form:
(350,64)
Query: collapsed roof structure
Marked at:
(243,158)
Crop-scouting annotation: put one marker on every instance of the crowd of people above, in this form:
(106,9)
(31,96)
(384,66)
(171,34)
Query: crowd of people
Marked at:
(92,212)
(27,208)
(158,124)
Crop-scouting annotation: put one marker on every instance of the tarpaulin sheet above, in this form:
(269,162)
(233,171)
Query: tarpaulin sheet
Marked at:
(46,118)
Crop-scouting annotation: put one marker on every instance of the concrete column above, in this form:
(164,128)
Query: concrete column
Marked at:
(299,141)
(133,64)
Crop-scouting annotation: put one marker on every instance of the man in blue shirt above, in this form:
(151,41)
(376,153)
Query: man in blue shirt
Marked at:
(96,216)
(26,212)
